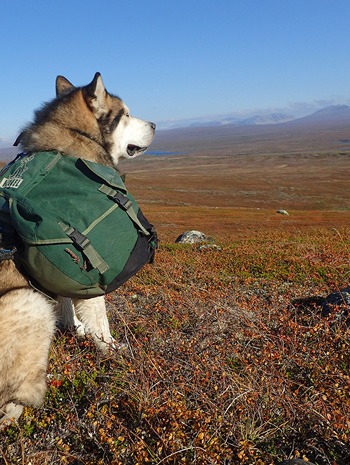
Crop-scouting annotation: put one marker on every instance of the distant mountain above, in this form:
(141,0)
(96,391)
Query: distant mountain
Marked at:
(198,124)
(333,113)
(323,128)
(8,153)
(268,118)
(327,129)
(328,115)
(272,118)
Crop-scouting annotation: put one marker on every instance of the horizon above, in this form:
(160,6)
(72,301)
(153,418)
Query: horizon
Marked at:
(330,120)
(177,62)
(202,121)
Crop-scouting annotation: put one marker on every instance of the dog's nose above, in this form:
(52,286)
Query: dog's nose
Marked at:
(153,126)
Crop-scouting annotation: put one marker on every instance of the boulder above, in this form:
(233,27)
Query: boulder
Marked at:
(282,212)
(209,246)
(340,299)
(191,237)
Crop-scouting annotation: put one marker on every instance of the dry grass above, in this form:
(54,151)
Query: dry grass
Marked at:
(225,363)
(228,358)
(293,181)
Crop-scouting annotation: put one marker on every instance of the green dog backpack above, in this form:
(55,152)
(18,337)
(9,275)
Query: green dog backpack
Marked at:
(77,230)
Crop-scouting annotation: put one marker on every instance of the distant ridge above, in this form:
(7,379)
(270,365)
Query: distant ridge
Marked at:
(328,115)
(270,132)
(272,118)
(331,114)
(327,129)
(9,153)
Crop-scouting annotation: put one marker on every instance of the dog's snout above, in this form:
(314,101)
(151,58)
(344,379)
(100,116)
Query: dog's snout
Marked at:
(153,126)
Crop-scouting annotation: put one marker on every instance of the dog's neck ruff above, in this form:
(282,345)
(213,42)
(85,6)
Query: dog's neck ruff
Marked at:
(104,145)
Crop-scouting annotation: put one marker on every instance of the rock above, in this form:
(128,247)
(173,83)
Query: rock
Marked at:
(339,299)
(209,246)
(282,212)
(191,237)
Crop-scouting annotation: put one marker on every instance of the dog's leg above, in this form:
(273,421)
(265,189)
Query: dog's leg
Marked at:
(94,317)
(26,330)
(66,316)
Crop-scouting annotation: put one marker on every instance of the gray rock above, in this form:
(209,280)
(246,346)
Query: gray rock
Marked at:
(191,237)
(337,299)
(209,246)
(282,212)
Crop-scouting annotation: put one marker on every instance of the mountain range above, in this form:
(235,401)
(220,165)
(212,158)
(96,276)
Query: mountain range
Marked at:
(270,125)
(270,118)
(321,130)
(333,112)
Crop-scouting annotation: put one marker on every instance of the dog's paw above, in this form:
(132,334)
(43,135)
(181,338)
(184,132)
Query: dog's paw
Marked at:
(110,345)
(9,413)
(80,331)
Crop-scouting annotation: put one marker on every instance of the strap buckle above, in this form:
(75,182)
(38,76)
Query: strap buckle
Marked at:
(122,201)
(7,254)
(79,239)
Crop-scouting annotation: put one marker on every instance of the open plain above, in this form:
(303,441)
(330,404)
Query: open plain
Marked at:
(230,357)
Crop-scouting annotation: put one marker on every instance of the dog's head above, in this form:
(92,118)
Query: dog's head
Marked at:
(124,136)
(87,122)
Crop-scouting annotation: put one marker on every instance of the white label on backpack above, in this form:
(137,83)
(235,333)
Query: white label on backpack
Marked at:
(16,178)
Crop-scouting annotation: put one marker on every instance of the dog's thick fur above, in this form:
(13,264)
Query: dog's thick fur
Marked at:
(85,122)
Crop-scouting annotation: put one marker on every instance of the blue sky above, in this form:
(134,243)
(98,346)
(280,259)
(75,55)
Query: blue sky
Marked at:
(176,59)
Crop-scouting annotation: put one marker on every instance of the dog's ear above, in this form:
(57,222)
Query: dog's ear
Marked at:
(62,85)
(95,96)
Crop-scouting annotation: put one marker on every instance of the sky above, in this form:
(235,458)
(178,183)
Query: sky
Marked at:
(176,59)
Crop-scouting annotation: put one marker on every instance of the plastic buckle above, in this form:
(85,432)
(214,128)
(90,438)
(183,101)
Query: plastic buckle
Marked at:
(79,239)
(121,200)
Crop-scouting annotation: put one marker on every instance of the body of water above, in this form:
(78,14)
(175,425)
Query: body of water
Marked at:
(159,152)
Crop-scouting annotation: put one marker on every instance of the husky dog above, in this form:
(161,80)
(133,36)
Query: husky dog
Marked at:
(85,122)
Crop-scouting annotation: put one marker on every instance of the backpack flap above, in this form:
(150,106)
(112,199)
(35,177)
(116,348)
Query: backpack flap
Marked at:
(106,174)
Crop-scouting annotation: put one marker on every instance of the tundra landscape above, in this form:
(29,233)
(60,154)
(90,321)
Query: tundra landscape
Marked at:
(231,354)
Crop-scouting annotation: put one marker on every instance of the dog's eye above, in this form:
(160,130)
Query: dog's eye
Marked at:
(127,115)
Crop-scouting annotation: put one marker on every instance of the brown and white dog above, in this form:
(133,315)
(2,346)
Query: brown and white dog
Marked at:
(85,122)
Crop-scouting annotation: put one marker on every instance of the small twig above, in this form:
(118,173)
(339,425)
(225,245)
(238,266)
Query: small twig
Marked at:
(179,452)
(3,456)
(234,400)
(72,254)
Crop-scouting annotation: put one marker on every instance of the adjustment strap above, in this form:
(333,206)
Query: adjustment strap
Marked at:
(83,244)
(125,204)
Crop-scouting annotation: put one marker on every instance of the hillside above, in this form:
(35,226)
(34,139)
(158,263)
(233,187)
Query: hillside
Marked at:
(230,357)
(321,131)
(269,133)
(329,115)
(290,165)
(227,360)
(7,154)
(333,112)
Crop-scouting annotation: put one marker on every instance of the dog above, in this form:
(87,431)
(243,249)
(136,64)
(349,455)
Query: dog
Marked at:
(90,123)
